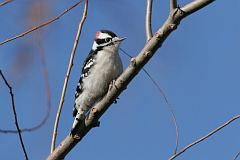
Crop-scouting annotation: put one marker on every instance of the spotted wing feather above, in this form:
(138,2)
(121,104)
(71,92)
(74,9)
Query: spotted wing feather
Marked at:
(88,64)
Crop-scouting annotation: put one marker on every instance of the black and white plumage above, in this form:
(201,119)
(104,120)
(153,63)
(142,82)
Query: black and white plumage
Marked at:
(101,67)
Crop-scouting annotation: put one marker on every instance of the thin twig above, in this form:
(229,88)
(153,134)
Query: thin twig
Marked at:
(41,25)
(205,137)
(237,155)
(38,126)
(148,22)
(67,75)
(46,85)
(173,5)
(5,2)
(45,74)
(169,106)
(15,114)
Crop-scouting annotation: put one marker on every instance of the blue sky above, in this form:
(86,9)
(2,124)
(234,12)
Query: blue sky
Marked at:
(197,67)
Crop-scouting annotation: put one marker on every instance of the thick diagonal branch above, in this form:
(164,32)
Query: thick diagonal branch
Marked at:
(125,78)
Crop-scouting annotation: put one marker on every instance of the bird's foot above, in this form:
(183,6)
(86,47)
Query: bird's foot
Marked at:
(112,84)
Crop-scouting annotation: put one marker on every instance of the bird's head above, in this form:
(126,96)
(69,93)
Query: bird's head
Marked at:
(106,39)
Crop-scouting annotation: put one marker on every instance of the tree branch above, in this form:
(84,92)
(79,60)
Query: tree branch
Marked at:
(41,51)
(205,137)
(15,114)
(123,80)
(5,2)
(41,25)
(173,5)
(195,6)
(68,74)
(148,23)
(48,96)
(237,155)
(169,106)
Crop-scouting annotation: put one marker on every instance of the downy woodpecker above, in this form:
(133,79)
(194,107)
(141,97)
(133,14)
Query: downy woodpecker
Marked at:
(102,66)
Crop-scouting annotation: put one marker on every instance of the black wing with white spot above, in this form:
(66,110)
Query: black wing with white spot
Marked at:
(88,64)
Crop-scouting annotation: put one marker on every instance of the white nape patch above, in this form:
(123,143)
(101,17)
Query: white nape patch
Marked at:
(95,45)
(100,35)
(103,36)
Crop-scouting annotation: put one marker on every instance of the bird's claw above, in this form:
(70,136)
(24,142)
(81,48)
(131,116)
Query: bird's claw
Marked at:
(112,84)
(115,101)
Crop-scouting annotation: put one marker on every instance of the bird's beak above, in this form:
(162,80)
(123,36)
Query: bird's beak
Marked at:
(118,39)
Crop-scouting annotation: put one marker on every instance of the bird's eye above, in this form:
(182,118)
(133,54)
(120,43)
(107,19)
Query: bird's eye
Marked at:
(107,39)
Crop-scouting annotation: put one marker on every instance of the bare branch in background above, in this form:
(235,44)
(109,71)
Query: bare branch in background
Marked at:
(205,137)
(148,22)
(125,78)
(237,155)
(5,2)
(169,106)
(15,114)
(35,16)
(31,129)
(173,5)
(41,25)
(84,16)
(43,121)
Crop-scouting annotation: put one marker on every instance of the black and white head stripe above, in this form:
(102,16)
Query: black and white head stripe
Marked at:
(109,33)
(103,38)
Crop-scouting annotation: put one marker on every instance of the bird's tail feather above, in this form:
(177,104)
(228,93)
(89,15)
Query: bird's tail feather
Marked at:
(78,119)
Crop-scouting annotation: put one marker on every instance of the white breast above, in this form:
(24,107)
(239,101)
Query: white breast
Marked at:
(108,66)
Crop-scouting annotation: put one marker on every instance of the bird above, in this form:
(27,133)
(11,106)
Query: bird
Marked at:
(102,66)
